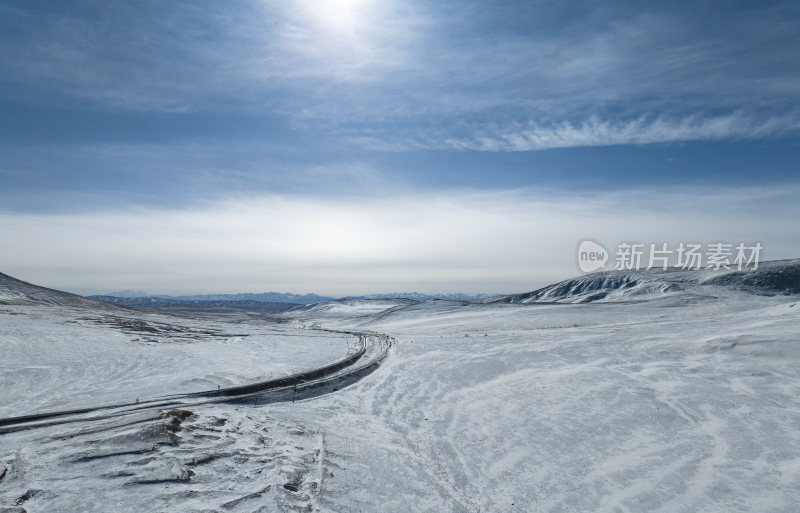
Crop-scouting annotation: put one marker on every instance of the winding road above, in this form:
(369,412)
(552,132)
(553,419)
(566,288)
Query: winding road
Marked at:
(372,349)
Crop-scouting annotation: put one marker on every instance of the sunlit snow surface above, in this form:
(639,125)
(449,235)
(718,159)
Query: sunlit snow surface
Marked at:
(685,401)
(55,358)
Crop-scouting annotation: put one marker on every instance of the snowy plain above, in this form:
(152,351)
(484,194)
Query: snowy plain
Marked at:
(56,358)
(681,398)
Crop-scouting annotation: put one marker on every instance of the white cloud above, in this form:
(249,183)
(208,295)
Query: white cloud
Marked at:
(597,132)
(434,242)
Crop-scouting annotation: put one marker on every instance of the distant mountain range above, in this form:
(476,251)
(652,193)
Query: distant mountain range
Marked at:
(135,298)
(417,296)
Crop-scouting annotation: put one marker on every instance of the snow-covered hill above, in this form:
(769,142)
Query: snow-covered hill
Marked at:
(775,277)
(18,292)
(343,312)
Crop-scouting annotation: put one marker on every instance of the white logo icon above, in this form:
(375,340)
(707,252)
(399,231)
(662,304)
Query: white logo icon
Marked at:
(591,256)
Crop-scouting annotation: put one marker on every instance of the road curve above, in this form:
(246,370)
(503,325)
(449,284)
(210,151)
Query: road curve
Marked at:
(303,385)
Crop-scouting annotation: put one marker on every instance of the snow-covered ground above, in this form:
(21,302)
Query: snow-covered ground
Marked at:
(54,358)
(678,399)
(62,351)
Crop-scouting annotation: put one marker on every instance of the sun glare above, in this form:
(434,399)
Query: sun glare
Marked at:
(339,15)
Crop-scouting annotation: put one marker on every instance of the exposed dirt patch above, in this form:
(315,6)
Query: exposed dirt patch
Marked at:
(232,504)
(184,477)
(176,418)
(132,326)
(25,497)
(111,454)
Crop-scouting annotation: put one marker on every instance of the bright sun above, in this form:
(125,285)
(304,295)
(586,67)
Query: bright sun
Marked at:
(339,15)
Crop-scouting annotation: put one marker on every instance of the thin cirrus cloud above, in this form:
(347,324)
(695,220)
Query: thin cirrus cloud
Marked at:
(533,136)
(594,132)
(502,241)
(410,75)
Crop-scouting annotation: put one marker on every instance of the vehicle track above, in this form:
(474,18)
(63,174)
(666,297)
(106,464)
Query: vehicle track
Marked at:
(373,348)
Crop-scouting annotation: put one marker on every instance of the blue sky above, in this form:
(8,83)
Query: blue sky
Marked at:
(483,115)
